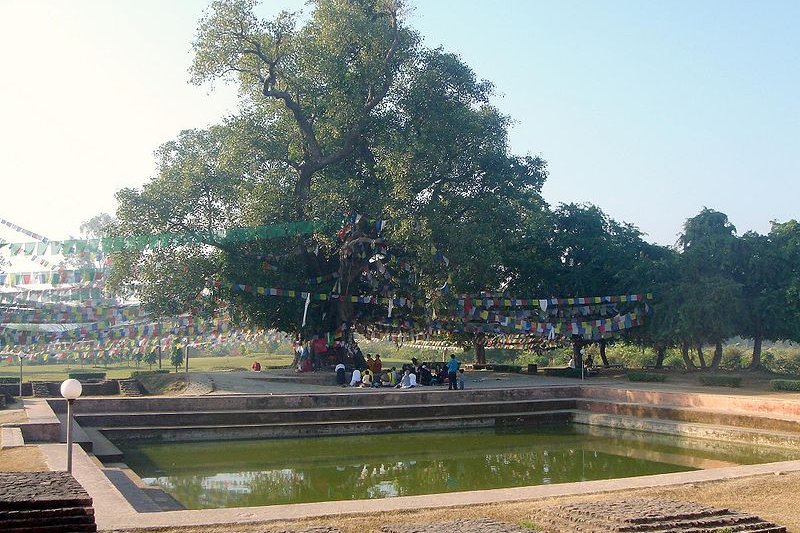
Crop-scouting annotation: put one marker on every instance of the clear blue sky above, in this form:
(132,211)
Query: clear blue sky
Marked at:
(650,110)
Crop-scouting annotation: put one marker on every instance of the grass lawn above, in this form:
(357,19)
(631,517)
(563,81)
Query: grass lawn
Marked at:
(59,371)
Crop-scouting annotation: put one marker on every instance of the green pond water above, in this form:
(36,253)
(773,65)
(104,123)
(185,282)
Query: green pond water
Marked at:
(273,471)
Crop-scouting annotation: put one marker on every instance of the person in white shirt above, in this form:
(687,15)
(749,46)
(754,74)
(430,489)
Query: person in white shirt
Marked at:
(355,381)
(408,380)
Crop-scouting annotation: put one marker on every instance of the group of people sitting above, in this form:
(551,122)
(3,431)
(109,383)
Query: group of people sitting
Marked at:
(409,376)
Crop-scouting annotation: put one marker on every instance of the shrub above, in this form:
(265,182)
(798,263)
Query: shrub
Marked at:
(785,384)
(140,373)
(734,357)
(87,376)
(562,372)
(507,368)
(646,377)
(721,380)
(782,360)
(7,380)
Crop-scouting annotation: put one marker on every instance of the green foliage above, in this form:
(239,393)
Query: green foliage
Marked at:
(782,360)
(87,376)
(720,380)
(516,369)
(785,384)
(646,376)
(734,357)
(9,380)
(176,358)
(140,373)
(563,372)
(150,358)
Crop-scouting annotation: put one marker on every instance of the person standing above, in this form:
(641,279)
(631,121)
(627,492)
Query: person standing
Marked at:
(452,373)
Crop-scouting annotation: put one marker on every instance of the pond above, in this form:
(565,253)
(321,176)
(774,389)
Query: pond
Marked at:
(274,471)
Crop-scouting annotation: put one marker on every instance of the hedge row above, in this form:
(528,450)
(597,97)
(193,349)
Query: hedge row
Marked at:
(139,373)
(646,376)
(7,380)
(562,372)
(507,368)
(721,381)
(785,384)
(87,376)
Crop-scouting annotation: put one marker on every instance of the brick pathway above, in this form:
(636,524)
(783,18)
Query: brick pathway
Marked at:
(649,515)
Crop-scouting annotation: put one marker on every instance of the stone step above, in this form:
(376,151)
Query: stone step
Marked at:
(7,515)
(755,437)
(336,427)
(648,516)
(35,521)
(74,528)
(11,437)
(708,401)
(267,416)
(130,387)
(655,525)
(422,396)
(44,389)
(102,448)
(690,414)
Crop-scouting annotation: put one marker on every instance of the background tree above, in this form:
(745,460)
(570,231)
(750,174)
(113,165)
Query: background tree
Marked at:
(345,118)
(176,358)
(711,299)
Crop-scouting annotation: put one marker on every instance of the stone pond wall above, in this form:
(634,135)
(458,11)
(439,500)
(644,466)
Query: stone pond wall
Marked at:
(44,501)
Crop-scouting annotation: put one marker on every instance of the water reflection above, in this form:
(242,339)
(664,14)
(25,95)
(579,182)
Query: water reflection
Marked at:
(250,473)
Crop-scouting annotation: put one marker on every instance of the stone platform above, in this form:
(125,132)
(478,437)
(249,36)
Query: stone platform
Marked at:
(657,516)
(34,502)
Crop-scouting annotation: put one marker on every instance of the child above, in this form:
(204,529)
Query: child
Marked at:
(460,380)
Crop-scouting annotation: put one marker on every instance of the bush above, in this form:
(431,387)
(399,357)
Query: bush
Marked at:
(140,373)
(7,380)
(782,360)
(507,368)
(646,377)
(87,376)
(734,357)
(785,384)
(721,381)
(562,372)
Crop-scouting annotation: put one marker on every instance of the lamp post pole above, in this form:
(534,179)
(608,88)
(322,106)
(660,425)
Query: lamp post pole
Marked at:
(69,435)
(70,390)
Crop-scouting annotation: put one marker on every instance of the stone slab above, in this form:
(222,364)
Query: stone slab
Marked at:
(634,515)
(11,437)
(40,490)
(483,525)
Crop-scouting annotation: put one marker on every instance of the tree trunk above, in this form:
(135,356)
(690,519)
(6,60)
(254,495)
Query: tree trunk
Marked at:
(577,344)
(702,359)
(715,361)
(479,344)
(603,352)
(687,360)
(755,364)
(661,352)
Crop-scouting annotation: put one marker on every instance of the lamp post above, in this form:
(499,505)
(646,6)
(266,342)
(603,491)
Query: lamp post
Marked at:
(70,390)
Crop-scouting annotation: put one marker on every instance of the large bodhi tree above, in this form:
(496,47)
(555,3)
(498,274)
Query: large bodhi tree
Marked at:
(343,114)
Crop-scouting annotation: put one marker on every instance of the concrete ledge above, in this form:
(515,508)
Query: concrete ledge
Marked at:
(42,424)
(11,437)
(753,437)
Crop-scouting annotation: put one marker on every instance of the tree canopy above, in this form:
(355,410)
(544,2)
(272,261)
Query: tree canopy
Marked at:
(396,157)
